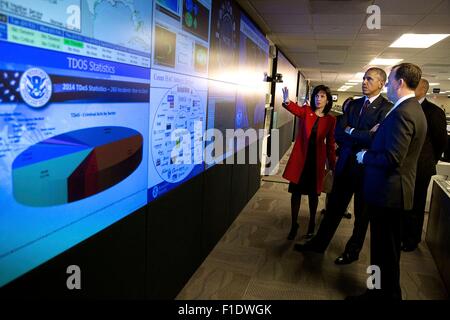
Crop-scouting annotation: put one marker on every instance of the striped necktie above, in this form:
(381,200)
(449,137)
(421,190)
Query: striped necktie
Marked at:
(364,107)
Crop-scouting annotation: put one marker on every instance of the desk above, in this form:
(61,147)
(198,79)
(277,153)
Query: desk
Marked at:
(438,229)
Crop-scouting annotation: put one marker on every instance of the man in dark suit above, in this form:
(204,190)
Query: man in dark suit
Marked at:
(354,134)
(389,175)
(433,147)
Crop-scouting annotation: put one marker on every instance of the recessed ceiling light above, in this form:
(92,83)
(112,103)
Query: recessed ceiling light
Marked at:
(434,84)
(344,88)
(355,81)
(384,62)
(413,40)
(351,84)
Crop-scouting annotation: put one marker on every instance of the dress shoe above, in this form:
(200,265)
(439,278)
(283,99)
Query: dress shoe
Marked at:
(408,247)
(307,246)
(293,233)
(366,296)
(371,295)
(345,258)
(308,235)
(347,215)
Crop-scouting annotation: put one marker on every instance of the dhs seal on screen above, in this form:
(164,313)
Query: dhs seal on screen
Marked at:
(35,87)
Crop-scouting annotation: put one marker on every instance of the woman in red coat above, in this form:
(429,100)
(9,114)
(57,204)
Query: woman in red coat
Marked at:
(313,145)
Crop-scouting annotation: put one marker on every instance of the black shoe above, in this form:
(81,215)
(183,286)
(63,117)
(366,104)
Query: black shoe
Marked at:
(375,294)
(347,215)
(293,233)
(308,235)
(307,246)
(408,247)
(345,258)
(366,296)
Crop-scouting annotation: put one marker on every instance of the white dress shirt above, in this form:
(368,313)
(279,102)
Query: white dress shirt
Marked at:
(372,99)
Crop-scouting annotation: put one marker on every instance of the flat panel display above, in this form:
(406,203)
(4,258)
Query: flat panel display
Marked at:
(225,29)
(253,62)
(104,106)
(289,73)
(221,116)
(179,85)
(73,123)
(302,89)
(181,36)
(177,123)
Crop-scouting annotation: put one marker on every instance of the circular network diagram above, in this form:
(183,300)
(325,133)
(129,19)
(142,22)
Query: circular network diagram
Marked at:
(177,135)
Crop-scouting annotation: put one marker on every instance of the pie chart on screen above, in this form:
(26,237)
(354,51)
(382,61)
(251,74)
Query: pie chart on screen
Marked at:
(75,165)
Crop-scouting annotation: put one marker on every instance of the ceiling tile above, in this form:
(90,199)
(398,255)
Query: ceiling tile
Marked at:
(338,19)
(421,28)
(336,29)
(400,19)
(436,19)
(339,7)
(443,8)
(287,19)
(332,55)
(406,6)
(331,36)
(286,28)
(281,6)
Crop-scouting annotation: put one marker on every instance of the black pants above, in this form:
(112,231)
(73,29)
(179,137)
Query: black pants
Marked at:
(413,219)
(345,185)
(385,238)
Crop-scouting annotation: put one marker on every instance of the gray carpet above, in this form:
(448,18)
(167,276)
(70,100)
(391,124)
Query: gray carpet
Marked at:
(253,260)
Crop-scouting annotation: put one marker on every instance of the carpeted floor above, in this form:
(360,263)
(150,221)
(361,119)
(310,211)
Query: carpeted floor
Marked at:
(253,260)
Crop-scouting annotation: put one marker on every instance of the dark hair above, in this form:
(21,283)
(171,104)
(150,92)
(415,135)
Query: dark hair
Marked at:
(348,100)
(410,73)
(381,73)
(327,91)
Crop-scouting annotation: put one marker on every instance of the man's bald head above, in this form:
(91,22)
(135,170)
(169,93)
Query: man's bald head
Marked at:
(422,88)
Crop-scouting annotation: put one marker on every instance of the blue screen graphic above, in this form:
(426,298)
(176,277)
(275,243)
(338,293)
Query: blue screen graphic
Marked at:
(104,107)
(73,124)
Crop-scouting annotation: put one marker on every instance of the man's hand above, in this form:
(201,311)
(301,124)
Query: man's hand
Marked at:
(360,156)
(375,128)
(285,95)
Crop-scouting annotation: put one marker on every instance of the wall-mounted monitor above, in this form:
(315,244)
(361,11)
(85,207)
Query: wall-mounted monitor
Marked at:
(290,74)
(75,82)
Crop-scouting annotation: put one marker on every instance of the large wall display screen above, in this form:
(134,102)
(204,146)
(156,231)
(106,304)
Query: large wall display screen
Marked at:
(290,75)
(253,62)
(74,96)
(104,106)
(179,86)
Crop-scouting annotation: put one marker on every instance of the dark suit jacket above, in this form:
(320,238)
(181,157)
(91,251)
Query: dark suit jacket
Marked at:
(435,140)
(391,162)
(361,137)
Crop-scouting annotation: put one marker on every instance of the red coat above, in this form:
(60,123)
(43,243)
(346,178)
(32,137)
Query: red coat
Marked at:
(324,141)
